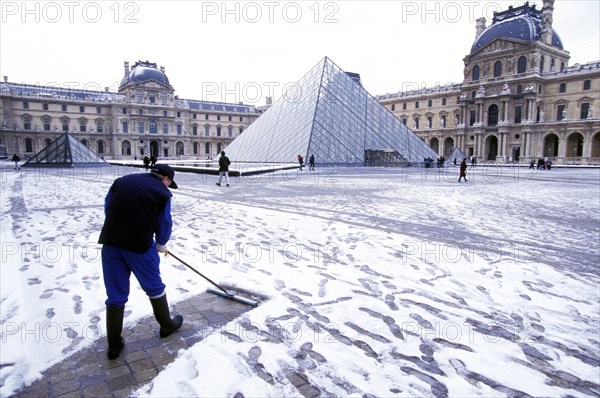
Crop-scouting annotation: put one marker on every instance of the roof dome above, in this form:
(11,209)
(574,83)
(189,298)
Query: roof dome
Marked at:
(143,72)
(522,23)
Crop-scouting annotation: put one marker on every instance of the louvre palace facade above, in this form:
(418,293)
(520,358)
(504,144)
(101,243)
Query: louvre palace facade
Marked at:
(144,117)
(519,100)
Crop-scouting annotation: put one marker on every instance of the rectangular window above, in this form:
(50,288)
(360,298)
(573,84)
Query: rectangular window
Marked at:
(429,121)
(153,127)
(81,108)
(140,127)
(178,114)
(241,118)
(99,126)
(207,130)
(27,123)
(65,124)
(179,129)
(518,114)
(165,114)
(45,106)
(125,127)
(164,99)
(25,105)
(416,123)
(46,122)
(64,108)
(417,104)
(152,98)
(559,112)
(218,131)
(429,103)
(218,117)
(193,116)
(587,84)
(206,117)
(124,111)
(82,125)
(585,109)
(195,130)
(98,109)
(229,118)
(393,107)
(443,101)
(165,128)
(472,117)
(562,88)
(404,121)
(404,106)
(443,121)
(230,131)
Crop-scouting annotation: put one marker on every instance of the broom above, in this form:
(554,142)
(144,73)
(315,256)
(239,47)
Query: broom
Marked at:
(220,292)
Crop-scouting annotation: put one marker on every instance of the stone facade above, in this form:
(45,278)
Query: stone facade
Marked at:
(144,117)
(518,101)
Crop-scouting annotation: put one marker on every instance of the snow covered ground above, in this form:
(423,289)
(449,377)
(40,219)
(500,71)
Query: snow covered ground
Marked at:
(380,282)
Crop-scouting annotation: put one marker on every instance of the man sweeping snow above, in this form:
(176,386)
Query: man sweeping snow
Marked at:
(138,212)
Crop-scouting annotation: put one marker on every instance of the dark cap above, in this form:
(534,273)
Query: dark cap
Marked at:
(165,171)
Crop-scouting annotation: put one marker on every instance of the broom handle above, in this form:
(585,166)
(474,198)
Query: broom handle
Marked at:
(196,271)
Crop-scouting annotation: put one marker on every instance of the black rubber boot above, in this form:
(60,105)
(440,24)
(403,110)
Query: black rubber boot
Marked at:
(114,326)
(161,313)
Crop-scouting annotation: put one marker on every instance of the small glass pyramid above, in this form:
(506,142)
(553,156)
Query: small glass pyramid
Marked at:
(330,115)
(65,151)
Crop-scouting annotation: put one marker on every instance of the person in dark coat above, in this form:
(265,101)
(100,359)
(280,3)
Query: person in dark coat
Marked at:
(311,162)
(146,162)
(463,170)
(153,160)
(136,228)
(16,158)
(223,169)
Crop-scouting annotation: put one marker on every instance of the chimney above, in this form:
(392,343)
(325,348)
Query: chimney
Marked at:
(479,26)
(126,68)
(547,10)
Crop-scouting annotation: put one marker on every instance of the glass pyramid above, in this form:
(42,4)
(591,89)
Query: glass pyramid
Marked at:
(329,114)
(65,151)
(455,154)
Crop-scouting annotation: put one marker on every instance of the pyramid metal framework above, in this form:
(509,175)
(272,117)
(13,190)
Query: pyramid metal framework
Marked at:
(455,154)
(329,114)
(65,151)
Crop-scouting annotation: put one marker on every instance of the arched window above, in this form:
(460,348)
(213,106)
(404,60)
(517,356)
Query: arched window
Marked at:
(493,115)
(475,72)
(522,64)
(498,69)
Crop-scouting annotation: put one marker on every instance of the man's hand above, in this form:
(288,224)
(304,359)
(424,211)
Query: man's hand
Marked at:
(162,248)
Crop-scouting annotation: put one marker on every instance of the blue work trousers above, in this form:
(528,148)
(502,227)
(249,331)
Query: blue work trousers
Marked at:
(117,266)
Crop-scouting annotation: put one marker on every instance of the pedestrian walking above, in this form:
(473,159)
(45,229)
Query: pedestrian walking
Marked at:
(137,227)
(311,162)
(223,169)
(16,158)
(463,170)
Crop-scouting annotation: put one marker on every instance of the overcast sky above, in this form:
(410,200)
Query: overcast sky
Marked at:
(246,50)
